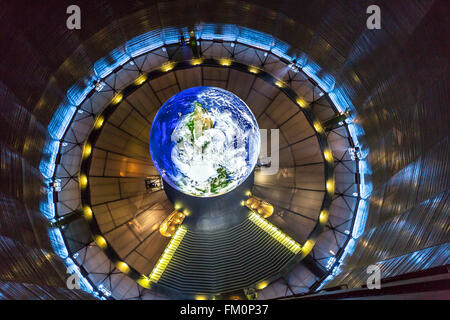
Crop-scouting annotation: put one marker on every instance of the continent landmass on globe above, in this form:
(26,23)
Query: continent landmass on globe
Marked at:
(198,122)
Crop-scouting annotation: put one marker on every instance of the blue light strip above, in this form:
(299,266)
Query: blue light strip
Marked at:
(144,43)
(57,241)
(171,35)
(47,164)
(366,186)
(326,83)
(79,92)
(255,39)
(217,32)
(114,59)
(84,283)
(280,49)
(59,247)
(48,207)
(360,220)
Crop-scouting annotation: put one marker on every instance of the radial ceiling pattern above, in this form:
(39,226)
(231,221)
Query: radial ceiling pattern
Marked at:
(129,214)
(395,80)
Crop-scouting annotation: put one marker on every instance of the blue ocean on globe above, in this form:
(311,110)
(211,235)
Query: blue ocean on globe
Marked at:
(204,141)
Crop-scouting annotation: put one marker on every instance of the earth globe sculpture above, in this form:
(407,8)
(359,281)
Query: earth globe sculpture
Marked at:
(204,141)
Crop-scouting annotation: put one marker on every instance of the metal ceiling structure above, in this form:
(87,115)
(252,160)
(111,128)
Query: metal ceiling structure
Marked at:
(399,113)
(127,215)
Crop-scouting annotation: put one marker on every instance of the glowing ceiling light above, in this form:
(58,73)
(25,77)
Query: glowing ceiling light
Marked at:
(117,98)
(177,206)
(302,102)
(167,66)
(87,150)
(101,242)
(254,70)
(225,62)
(196,62)
(279,84)
(201,297)
(99,122)
(307,247)
(83,181)
(262,285)
(123,267)
(323,217)
(330,186)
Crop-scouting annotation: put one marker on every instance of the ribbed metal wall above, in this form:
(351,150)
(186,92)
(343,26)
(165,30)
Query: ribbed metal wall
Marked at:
(396,77)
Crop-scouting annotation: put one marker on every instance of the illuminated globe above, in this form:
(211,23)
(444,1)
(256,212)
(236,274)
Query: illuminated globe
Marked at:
(204,141)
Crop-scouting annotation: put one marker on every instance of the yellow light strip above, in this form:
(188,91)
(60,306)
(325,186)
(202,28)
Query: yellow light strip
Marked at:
(307,247)
(276,233)
(168,254)
(261,285)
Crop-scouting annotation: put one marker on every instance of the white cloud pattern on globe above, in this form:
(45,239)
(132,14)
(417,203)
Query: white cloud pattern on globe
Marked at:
(204,141)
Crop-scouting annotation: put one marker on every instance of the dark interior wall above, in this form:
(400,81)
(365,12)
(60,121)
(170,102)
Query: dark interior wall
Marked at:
(396,77)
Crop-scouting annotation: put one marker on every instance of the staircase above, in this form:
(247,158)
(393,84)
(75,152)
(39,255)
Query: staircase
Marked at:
(225,261)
